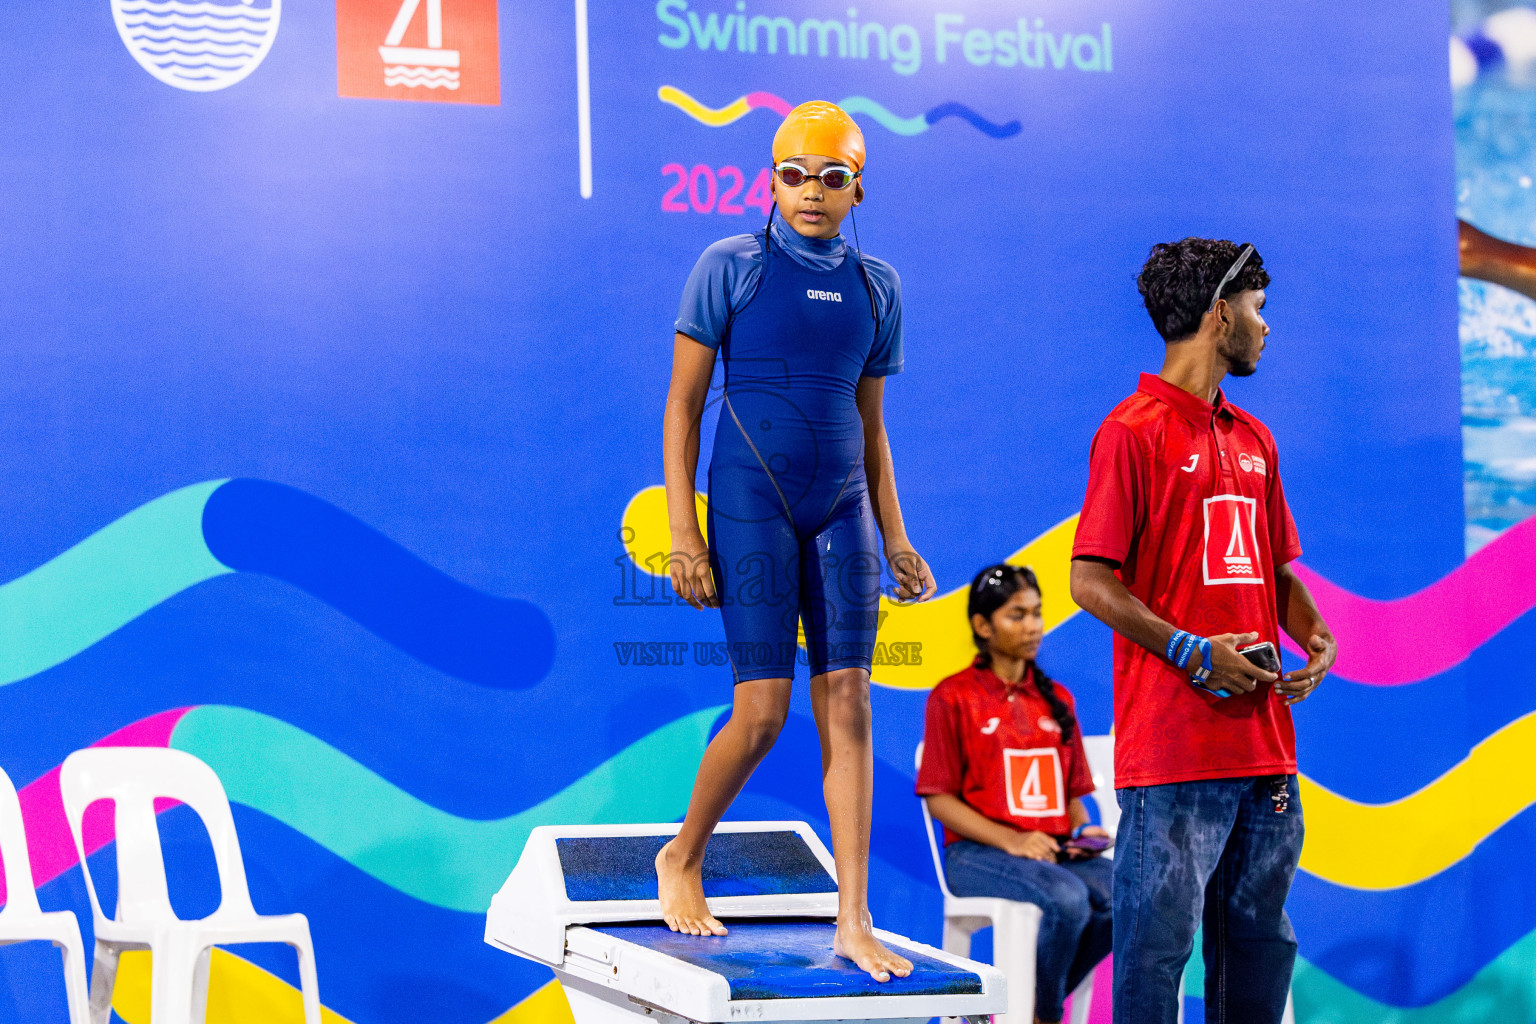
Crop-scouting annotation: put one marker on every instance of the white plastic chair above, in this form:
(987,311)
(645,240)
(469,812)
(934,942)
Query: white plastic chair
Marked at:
(23,920)
(133,777)
(1015,928)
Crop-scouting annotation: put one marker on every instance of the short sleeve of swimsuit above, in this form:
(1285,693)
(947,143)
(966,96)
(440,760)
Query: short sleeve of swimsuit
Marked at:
(885,357)
(720,284)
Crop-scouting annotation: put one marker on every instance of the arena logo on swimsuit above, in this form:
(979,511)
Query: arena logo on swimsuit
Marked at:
(812,293)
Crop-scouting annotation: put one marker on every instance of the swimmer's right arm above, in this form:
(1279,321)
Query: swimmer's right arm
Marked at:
(692,366)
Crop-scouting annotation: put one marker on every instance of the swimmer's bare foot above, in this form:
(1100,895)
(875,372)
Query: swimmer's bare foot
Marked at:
(858,943)
(681,888)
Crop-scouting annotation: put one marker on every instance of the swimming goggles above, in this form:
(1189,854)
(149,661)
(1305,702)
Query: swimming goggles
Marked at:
(1242,258)
(835,177)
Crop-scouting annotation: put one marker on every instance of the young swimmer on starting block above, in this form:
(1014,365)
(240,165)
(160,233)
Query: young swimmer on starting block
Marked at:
(799,480)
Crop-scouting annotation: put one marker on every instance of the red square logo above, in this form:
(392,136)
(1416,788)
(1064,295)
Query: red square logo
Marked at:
(436,50)
(1232,540)
(1034,782)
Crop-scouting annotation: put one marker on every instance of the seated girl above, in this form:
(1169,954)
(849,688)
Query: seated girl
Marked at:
(1004,770)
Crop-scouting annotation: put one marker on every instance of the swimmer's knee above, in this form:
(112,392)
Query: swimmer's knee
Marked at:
(847,691)
(760,719)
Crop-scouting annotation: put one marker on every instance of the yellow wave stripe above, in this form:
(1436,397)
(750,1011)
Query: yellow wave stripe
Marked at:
(546,1005)
(239,992)
(1387,846)
(693,108)
(938,626)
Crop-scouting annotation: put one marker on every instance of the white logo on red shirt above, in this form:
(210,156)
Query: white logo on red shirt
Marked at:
(1048,724)
(1033,778)
(1194,460)
(990,727)
(1231,540)
(1252,463)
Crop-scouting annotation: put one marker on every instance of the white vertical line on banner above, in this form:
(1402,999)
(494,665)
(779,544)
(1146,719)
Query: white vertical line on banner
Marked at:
(583,100)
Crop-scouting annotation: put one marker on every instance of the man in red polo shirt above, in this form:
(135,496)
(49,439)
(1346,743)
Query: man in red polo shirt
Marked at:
(1183,549)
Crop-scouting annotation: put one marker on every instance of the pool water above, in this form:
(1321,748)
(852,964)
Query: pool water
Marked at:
(1495,191)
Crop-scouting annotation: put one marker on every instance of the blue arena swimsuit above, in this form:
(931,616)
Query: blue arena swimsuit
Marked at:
(792,536)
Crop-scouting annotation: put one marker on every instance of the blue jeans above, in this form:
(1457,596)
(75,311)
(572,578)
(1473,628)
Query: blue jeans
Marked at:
(1218,848)
(1074,899)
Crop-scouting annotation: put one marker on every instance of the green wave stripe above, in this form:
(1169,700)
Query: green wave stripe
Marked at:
(406,843)
(888,120)
(104,582)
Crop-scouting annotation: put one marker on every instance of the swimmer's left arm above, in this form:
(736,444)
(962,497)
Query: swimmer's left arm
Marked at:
(913,577)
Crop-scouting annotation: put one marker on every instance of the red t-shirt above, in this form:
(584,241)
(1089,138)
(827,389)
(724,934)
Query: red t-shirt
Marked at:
(1187,498)
(996,747)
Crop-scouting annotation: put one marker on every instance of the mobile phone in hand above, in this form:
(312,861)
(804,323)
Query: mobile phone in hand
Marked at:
(1084,846)
(1263,655)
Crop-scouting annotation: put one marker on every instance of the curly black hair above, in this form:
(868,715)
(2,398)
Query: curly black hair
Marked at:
(1179,279)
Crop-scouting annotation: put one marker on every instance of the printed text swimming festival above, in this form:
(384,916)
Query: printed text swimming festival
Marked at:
(1026,43)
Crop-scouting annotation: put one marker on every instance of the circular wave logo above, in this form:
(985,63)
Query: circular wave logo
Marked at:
(199,46)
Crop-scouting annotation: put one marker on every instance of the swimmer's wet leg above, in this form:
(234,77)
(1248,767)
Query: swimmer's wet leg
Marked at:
(758,711)
(840,701)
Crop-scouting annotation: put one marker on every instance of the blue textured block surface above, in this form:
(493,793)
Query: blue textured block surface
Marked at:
(792,959)
(735,864)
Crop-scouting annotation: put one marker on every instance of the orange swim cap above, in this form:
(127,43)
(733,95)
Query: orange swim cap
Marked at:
(819,128)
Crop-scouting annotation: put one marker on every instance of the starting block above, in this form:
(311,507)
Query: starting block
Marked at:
(582,900)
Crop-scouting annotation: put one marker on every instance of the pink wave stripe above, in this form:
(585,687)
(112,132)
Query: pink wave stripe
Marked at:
(1391,643)
(758,100)
(50,847)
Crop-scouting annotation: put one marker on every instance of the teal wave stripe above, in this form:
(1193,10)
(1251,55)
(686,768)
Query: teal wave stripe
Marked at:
(871,108)
(104,582)
(406,843)
(1503,992)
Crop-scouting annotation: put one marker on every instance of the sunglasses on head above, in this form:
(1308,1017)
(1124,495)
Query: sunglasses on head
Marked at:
(1003,572)
(835,177)
(1227,278)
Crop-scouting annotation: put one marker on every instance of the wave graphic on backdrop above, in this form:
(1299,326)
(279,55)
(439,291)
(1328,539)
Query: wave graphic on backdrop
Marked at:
(199,46)
(319,792)
(1389,643)
(205,530)
(457,863)
(744,105)
(377,827)
(1381,643)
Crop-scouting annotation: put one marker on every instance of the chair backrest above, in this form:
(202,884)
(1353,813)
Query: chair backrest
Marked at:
(20,896)
(132,777)
(933,844)
(1101,764)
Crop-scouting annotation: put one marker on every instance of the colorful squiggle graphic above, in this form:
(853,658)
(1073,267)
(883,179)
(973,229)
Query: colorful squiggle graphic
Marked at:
(1381,643)
(205,530)
(744,105)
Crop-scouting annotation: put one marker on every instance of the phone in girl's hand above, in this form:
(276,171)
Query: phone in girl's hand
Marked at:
(1085,846)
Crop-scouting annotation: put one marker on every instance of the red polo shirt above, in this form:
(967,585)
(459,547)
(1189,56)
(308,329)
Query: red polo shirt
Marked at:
(1186,497)
(996,746)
